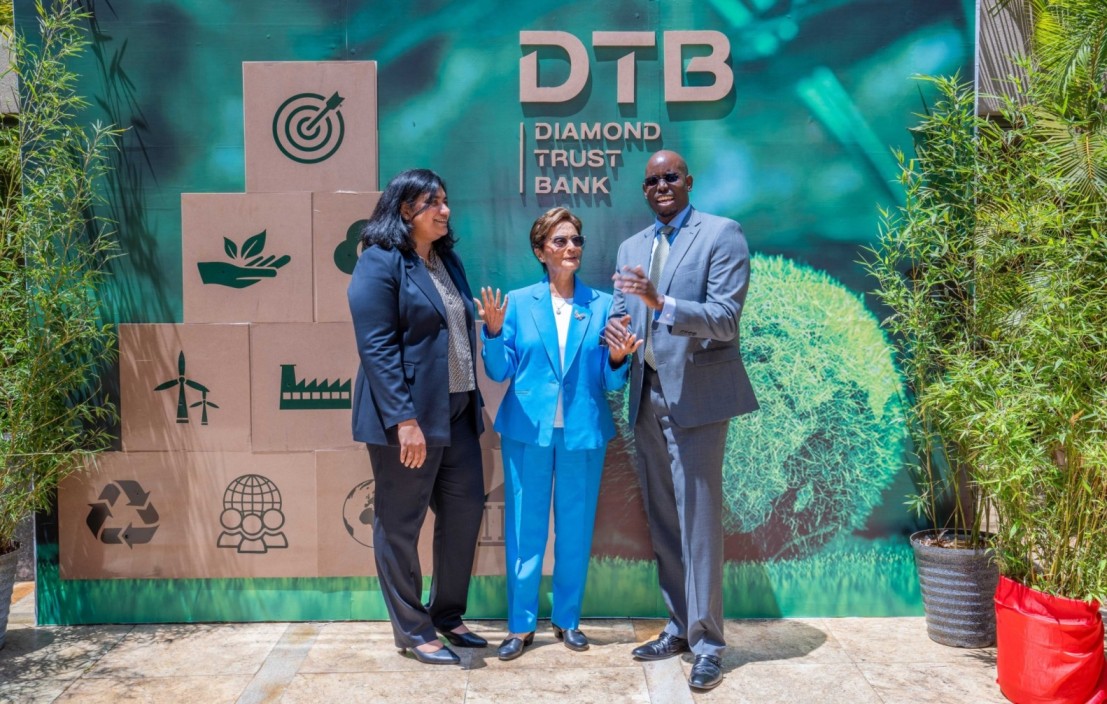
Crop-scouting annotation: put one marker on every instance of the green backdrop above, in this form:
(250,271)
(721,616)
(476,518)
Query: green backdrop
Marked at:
(799,152)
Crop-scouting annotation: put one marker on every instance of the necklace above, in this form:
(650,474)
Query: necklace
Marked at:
(559,303)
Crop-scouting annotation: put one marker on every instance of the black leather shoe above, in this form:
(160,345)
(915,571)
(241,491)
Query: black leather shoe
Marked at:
(512,648)
(666,646)
(464,640)
(574,639)
(442,656)
(707,673)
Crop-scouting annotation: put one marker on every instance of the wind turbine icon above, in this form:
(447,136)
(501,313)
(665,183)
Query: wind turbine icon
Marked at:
(181,382)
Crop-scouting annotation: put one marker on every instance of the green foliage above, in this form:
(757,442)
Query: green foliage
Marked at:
(829,437)
(924,261)
(1014,224)
(53,343)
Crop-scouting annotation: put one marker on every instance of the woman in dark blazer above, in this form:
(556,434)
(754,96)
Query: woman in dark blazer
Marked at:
(554,424)
(417,408)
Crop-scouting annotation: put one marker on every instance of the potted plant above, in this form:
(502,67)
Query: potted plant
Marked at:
(921,260)
(1029,399)
(53,342)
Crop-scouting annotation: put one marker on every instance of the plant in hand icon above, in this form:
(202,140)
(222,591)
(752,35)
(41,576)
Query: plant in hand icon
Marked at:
(250,266)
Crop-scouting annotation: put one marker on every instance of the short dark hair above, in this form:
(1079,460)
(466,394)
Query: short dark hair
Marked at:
(545,224)
(387,228)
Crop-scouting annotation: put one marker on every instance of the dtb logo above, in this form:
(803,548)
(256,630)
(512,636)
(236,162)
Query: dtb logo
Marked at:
(673,44)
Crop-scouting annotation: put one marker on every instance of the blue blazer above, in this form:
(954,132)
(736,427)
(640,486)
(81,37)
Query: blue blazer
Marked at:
(526,351)
(403,341)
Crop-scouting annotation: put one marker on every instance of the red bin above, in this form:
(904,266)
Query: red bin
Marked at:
(1049,649)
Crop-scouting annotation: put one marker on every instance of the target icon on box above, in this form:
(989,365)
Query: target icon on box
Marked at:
(309,128)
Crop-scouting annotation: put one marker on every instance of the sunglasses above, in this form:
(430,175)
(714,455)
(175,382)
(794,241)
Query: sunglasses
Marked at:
(670,177)
(563,242)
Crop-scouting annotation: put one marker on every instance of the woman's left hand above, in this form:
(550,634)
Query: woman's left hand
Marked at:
(491,310)
(624,344)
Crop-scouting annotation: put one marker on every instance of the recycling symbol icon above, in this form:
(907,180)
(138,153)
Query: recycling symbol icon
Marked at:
(123,514)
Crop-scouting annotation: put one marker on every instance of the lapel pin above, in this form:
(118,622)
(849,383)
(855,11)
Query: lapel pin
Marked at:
(578,315)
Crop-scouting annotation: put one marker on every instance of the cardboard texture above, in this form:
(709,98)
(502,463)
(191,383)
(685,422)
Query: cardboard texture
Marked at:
(155,515)
(337,220)
(184,387)
(302,386)
(246,257)
(345,487)
(310,125)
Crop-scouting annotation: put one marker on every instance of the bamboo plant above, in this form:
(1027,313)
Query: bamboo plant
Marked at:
(53,249)
(923,262)
(995,271)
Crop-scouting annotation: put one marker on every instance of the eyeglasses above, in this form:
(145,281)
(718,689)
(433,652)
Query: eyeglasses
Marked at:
(669,177)
(563,242)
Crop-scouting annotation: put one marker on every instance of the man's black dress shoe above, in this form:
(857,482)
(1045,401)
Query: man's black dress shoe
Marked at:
(464,640)
(512,648)
(574,639)
(707,672)
(666,646)
(442,656)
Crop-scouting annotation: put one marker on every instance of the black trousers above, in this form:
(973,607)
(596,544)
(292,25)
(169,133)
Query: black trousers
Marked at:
(451,484)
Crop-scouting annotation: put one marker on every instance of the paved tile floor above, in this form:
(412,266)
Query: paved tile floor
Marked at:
(818,660)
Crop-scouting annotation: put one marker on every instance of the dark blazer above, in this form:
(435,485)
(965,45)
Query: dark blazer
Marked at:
(402,339)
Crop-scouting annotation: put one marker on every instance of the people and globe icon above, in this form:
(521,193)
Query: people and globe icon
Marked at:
(252,516)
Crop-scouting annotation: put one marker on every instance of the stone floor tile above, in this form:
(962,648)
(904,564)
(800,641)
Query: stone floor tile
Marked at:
(608,685)
(164,650)
(282,664)
(787,683)
(33,691)
(610,643)
(667,681)
(22,609)
(143,690)
(55,652)
(356,646)
(794,640)
(899,640)
(933,684)
(433,685)
(647,628)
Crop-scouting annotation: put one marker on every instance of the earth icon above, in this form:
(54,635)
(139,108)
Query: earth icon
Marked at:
(357,513)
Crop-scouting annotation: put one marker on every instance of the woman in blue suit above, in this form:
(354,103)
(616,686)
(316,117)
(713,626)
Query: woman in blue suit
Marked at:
(554,424)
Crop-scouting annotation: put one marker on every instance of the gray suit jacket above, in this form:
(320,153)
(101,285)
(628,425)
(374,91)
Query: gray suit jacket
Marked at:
(699,362)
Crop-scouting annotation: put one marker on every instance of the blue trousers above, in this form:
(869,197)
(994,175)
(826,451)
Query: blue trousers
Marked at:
(533,474)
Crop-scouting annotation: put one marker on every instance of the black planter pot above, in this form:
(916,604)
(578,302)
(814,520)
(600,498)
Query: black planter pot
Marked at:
(958,587)
(8,561)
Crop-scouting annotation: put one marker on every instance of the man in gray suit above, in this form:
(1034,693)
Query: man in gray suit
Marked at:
(681,284)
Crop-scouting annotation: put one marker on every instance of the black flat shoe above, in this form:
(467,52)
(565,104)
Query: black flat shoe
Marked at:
(442,656)
(574,639)
(464,640)
(707,673)
(512,648)
(666,646)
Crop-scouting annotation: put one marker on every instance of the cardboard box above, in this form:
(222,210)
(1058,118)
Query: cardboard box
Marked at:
(302,378)
(337,220)
(184,387)
(246,257)
(310,125)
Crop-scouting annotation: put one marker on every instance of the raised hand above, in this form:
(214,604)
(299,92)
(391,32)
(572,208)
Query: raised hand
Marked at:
(634,281)
(491,310)
(621,342)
